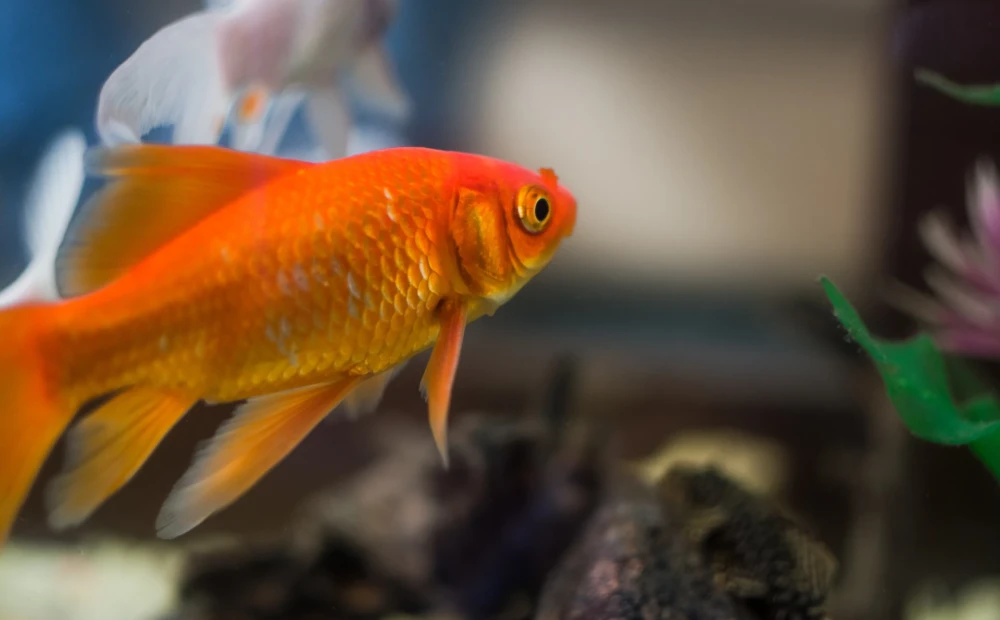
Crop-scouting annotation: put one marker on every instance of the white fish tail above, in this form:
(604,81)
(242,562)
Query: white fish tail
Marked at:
(264,135)
(174,78)
(49,206)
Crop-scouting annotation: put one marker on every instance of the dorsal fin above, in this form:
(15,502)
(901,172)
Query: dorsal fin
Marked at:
(156,193)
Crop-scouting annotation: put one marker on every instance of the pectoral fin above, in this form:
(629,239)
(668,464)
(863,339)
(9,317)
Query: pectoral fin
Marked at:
(440,373)
(261,433)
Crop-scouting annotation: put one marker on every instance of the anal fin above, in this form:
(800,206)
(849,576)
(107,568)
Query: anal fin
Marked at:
(261,432)
(108,447)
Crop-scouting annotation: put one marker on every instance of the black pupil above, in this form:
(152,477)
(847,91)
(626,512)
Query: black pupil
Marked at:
(541,209)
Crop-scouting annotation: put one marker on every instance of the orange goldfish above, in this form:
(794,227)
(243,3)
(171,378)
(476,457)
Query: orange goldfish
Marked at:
(204,273)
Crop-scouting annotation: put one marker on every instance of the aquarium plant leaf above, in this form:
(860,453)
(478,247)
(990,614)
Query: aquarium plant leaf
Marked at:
(940,399)
(985,94)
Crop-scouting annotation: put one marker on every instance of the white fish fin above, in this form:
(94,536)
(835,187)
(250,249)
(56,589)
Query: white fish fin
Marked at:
(49,206)
(54,192)
(374,78)
(248,124)
(330,118)
(255,40)
(365,398)
(26,287)
(283,108)
(173,78)
(264,135)
(260,434)
(215,5)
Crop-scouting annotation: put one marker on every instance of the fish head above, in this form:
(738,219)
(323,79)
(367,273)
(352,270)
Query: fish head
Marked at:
(507,225)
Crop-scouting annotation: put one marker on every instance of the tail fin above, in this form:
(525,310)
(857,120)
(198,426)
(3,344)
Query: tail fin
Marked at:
(173,78)
(55,190)
(32,413)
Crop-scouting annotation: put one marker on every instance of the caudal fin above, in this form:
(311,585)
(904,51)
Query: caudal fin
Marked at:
(32,413)
(173,78)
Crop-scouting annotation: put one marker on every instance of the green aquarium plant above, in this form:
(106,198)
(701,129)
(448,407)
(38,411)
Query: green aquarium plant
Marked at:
(929,377)
(977,94)
(939,398)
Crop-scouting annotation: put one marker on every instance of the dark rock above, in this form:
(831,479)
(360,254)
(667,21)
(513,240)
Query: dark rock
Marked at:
(630,563)
(758,553)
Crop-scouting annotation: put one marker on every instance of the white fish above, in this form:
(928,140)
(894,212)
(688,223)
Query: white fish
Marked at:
(260,60)
(50,203)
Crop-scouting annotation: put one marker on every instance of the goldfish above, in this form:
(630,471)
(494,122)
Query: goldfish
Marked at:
(203,273)
(257,61)
(50,202)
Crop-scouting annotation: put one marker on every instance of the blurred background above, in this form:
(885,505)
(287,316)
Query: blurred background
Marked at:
(724,154)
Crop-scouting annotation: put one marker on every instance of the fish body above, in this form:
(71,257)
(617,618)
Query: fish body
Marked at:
(294,285)
(259,60)
(331,270)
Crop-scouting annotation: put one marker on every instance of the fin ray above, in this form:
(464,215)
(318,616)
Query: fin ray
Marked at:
(108,447)
(260,434)
(156,193)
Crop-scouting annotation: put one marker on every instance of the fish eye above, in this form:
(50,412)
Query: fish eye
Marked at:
(541,209)
(534,209)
